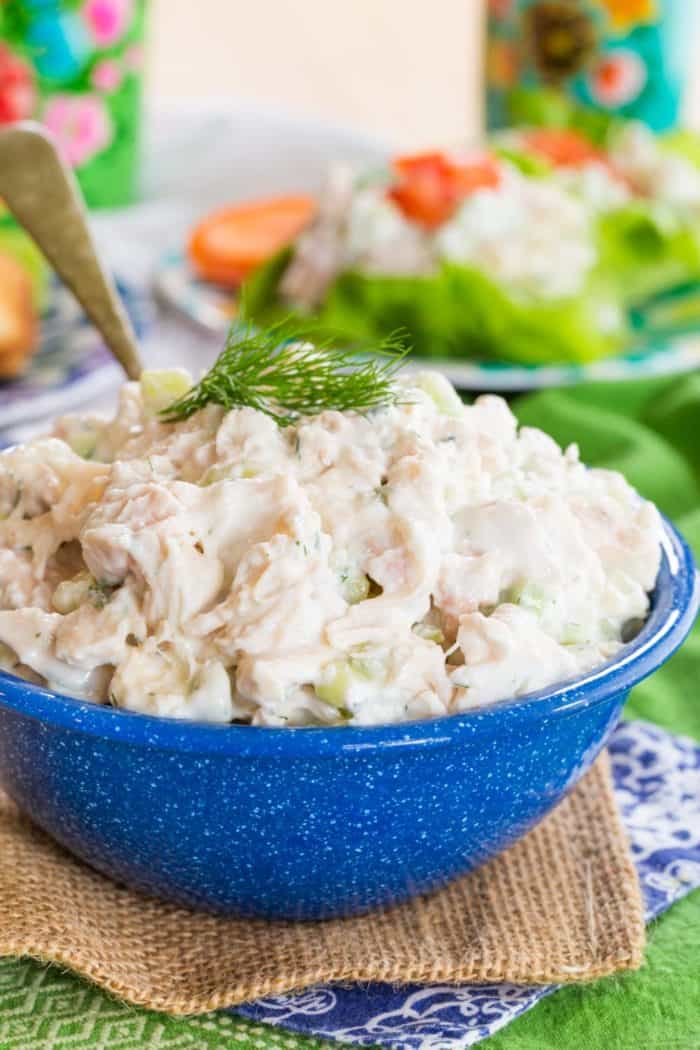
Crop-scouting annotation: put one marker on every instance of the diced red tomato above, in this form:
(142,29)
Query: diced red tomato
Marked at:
(17,91)
(569,149)
(430,186)
(563,147)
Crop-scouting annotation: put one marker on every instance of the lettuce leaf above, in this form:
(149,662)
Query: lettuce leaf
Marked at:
(683,142)
(458,312)
(645,248)
(530,164)
(260,293)
(550,108)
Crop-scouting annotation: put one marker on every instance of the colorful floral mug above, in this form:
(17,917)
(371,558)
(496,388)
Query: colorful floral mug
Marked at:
(76,66)
(625,57)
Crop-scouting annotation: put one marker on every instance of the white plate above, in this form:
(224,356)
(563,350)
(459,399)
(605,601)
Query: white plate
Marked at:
(682,355)
(207,306)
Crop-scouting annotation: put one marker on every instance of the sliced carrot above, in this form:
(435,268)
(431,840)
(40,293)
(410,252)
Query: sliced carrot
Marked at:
(230,243)
(430,186)
(477,175)
(563,147)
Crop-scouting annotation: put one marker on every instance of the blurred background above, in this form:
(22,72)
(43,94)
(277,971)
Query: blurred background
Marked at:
(399,70)
(408,72)
(172,113)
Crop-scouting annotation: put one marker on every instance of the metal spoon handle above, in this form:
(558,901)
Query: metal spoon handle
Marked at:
(42,194)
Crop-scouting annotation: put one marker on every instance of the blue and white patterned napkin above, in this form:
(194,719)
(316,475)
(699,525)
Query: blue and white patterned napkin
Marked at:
(657,786)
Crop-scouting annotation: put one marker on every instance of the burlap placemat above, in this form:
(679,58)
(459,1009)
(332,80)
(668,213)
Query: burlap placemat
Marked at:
(561,905)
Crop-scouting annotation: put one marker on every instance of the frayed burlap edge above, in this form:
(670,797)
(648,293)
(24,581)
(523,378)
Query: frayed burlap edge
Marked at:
(562,905)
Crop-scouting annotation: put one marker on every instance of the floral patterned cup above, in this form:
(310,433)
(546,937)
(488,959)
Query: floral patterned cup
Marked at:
(76,66)
(628,57)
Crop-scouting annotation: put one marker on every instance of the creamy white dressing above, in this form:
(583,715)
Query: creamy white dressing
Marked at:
(595,185)
(531,235)
(418,561)
(653,171)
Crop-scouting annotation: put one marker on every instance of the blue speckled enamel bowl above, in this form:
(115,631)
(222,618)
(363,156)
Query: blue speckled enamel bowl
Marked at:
(310,823)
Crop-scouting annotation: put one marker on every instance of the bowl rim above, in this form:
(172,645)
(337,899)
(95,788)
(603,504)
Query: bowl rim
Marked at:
(674,607)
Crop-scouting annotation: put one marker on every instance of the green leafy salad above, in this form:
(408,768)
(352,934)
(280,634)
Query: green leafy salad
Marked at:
(541,248)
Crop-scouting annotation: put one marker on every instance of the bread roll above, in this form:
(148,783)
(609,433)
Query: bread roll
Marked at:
(18,320)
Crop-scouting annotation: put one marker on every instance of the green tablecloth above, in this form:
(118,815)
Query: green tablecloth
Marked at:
(651,431)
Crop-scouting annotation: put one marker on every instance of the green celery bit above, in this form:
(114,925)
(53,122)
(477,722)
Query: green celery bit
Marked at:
(355,588)
(429,631)
(333,688)
(160,387)
(442,393)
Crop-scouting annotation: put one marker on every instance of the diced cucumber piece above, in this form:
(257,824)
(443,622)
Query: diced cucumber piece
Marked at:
(511,595)
(574,634)
(217,472)
(610,630)
(334,685)
(533,597)
(526,595)
(371,668)
(226,472)
(81,436)
(160,387)
(355,588)
(84,445)
(441,391)
(429,631)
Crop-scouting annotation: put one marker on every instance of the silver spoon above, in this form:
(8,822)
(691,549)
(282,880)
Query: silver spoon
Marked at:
(41,192)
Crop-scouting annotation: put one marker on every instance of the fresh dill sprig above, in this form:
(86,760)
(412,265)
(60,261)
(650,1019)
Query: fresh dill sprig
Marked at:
(285,372)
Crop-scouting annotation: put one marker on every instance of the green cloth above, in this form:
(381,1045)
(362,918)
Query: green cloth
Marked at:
(44,1008)
(651,431)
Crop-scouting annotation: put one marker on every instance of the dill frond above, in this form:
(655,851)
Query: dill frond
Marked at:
(281,372)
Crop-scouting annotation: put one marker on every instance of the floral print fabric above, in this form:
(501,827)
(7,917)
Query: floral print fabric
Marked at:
(620,56)
(75,65)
